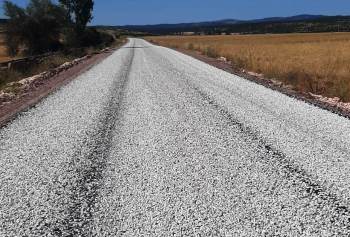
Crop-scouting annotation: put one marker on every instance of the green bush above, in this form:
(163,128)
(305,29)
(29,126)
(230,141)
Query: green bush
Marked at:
(37,26)
(92,37)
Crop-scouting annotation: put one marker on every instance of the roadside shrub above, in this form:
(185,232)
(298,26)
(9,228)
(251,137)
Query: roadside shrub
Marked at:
(37,27)
(92,37)
(106,39)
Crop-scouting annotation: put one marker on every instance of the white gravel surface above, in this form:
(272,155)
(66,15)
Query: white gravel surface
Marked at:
(151,142)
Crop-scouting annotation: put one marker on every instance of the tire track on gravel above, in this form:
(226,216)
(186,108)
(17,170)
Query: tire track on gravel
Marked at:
(310,187)
(86,190)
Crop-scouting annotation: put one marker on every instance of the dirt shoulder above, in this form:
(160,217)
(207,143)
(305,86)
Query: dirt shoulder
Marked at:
(330,104)
(46,85)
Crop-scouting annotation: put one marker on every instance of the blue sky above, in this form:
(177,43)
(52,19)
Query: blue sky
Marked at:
(119,12)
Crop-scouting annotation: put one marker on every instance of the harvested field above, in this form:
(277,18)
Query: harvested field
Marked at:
(316,63)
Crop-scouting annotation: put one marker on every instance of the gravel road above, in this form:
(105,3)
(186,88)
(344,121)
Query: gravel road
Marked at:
(151,142)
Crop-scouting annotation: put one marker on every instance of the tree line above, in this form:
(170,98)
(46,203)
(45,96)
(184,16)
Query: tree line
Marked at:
(44,26)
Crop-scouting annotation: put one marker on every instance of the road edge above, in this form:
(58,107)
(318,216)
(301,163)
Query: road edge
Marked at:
(10,111)
(267,83)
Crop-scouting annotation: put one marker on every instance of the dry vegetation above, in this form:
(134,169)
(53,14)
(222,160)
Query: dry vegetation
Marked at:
(3,49)
(316,63)
(7,76)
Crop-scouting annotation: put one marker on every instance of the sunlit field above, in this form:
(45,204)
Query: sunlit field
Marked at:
(317,63)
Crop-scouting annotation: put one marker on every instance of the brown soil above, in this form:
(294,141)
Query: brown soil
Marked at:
(9,110)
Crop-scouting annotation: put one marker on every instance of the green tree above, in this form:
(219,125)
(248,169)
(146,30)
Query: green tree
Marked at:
(15,26)
(35,28)
(79,12)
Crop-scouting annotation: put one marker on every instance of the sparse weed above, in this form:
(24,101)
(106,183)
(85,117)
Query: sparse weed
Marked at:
(211,52)
(190,46)
(7,76)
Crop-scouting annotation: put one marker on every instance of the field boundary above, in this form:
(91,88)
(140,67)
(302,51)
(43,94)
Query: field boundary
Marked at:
(268,83)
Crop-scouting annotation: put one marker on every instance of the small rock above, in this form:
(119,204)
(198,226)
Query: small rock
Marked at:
(65,65)
(277,83)
(255,74)
(336,99)
(222,59)
(5,96)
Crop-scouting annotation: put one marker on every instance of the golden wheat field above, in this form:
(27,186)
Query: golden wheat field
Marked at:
(317,63)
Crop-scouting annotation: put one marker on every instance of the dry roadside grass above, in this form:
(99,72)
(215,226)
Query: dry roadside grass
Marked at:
(3,54)
(7,76)
(3,49)
(316,63)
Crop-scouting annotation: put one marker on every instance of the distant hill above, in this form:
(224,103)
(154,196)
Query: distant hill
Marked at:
(287,19)
(299,23)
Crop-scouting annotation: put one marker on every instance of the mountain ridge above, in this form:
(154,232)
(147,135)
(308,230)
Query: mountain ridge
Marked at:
(230,21)
(304,23)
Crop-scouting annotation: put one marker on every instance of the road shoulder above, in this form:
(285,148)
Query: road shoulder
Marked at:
(43,88)
(308,98)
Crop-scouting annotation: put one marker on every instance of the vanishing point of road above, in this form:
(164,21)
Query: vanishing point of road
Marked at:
(151,142)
